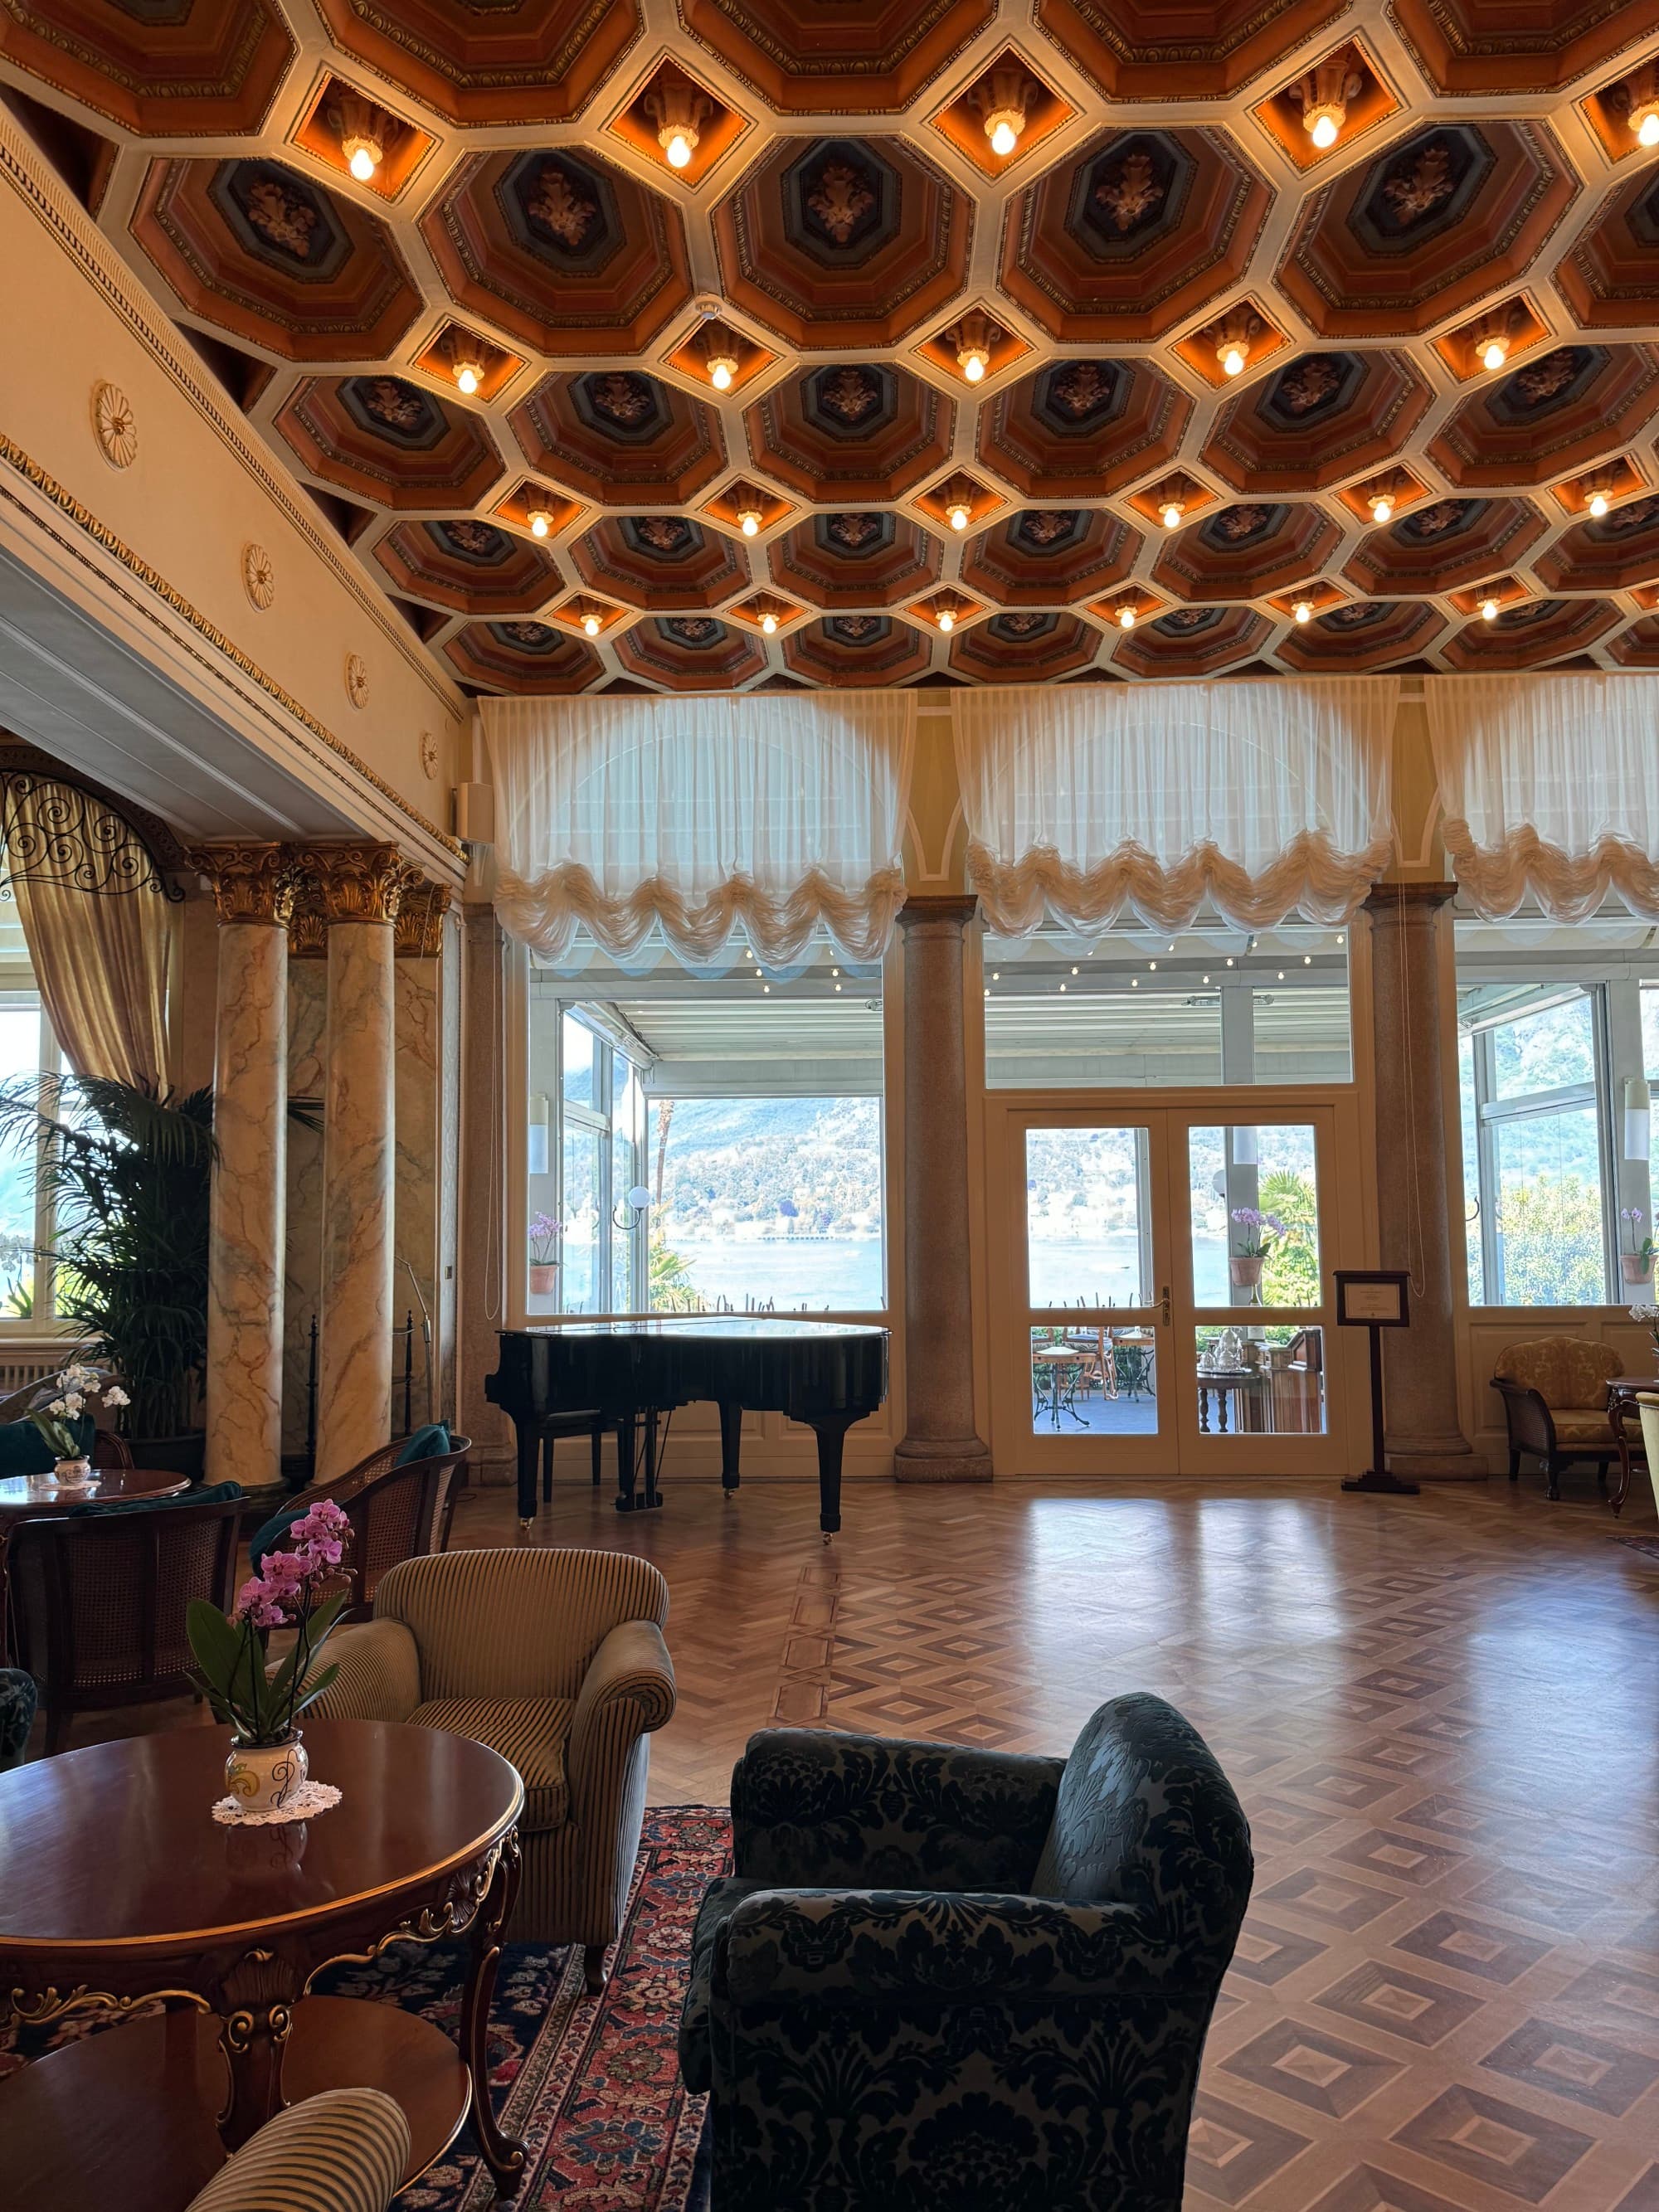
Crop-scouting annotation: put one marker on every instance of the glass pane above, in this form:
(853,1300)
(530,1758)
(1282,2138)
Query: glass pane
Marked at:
(1477,1264)
(1551,1249)
(1094,1379)
(1254,1204)
(581,1219)
(1545,1051)
(1261,1381)
(624,1178)
(20,1054)
(1088,1216)
(580,1085)
(772,1203)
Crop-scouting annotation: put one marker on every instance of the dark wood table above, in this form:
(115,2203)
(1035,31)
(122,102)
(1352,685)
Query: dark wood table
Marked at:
(1246,1382)
(116,1485)
(1625,1387)
(120,1888)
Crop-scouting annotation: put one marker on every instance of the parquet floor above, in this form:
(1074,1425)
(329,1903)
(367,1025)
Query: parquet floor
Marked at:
(1440,1714)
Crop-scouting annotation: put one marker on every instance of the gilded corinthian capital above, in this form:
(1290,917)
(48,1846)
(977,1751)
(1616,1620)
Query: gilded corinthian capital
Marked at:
(357,883)
(421,922)
(251,883)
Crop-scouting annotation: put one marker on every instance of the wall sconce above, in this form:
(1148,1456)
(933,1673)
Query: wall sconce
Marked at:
(634,1209)
(539,1123)
(1638,1117)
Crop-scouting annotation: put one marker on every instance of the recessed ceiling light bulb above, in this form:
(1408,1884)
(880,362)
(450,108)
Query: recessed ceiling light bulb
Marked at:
(540,522)
(947,621)
(1003,130)
(749,520)
(1382,507)
(591,623)
(974,364)
(1126,617)
(1644,122)
(1322,129)
(959,515)
(1170,511)
(1303,611)
(678,146)
(1489,610)
(363,157)
(1232,359)
(1495,352)
(466,376)
(769,622)
(722,374)
(1598,506)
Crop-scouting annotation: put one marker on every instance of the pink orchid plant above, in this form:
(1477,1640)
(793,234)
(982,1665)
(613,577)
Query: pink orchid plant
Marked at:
(262,1702)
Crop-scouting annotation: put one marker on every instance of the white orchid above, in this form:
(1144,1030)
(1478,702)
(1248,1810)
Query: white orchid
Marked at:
(115,1395)
(57,1407)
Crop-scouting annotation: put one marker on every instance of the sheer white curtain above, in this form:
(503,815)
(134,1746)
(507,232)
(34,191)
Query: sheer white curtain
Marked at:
(778,816)
(1262,798)
(1549,785)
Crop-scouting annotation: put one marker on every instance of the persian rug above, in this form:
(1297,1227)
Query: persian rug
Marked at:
(1647,1546)
(590,2085)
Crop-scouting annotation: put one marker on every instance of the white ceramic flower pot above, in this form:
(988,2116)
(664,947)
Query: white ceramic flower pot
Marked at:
(74,1474)
(262,1777)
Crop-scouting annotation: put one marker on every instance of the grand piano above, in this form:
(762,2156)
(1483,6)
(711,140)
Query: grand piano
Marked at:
(826,1374)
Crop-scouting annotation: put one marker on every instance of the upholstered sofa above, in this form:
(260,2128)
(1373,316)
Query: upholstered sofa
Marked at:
(556,1659)
(344,2150)
(1554,1390)
(949,1978)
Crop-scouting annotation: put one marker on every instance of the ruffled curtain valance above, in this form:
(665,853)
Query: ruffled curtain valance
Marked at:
(1549,785)
(775,816)
(1261,798)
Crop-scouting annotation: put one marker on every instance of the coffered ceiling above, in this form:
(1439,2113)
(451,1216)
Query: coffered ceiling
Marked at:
(491,360)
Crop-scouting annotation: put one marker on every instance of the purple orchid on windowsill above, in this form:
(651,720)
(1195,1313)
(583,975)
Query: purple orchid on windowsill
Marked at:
(545,1234)
(1259,1232)
(1632,1218)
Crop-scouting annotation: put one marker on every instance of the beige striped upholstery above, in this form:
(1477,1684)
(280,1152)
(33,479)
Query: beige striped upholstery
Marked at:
(343,2151)
(555,1658)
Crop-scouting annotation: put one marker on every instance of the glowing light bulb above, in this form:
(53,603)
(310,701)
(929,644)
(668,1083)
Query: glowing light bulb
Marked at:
(1495,352)
(959,515)
(1232,359)
(1170,511)
(974,364)
(678,146)
(1307,960)
(1489,610)
(1598,506)
(540,522)
(947,621)
(1322,129)
(1004,134)
(1303,611)
(1382,507)
(1644,122)
(722,374)
(468,378)
(591,624)
(363,158)
(769,622)
(749,521)
(1126,617)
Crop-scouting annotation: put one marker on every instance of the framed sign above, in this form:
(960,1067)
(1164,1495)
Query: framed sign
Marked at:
(1372,1298)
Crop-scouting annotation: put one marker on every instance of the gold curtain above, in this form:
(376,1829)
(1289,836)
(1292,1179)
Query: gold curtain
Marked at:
(98,931)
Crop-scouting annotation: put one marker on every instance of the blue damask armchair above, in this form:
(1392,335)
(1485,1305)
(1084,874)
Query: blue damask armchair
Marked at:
(953,1979)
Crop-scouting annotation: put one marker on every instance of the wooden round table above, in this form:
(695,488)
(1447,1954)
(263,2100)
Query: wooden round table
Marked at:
(116,1485)
(120,1888)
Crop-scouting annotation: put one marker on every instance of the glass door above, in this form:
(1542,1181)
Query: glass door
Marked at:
(1164,1304)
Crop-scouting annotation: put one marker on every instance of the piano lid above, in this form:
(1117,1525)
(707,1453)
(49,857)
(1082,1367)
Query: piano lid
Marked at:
(739,1327)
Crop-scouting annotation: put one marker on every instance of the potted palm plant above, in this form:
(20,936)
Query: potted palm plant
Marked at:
(128,1175)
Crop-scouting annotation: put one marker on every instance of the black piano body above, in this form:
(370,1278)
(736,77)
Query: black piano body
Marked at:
(825,1374)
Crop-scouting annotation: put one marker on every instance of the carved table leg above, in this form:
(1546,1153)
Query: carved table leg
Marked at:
(503,2155)
(255,2004)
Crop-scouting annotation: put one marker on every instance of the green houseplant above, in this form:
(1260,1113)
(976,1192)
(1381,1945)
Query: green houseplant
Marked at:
(128,1175)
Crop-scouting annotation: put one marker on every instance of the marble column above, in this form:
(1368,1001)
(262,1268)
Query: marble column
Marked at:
(1424,1434)
(253,890)
(424,1192)
(940,1442)
(359,889)
(483,1302)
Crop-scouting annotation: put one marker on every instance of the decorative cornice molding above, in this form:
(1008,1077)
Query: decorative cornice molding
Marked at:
(65,502)
(421,922)
(251,883)
(63,216)
(357,883)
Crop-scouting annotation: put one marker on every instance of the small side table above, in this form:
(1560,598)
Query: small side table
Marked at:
(1622,1393)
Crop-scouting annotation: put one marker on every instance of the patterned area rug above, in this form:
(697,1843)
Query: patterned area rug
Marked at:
(590,2084)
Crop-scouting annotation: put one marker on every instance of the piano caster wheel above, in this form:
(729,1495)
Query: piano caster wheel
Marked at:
(524,1527)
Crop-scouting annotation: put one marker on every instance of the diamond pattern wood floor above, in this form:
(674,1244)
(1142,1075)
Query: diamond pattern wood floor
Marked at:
(1440,1714)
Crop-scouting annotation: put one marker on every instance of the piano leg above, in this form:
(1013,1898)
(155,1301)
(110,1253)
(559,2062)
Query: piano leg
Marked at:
(530,1452)
(831,1432)
(625,1468)
(651,1496)
(731,1439)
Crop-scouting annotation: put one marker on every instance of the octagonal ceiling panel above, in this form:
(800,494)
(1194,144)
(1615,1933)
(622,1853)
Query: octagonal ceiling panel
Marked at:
(1495,46)
(1610,555)
(161,68)
(843,242)
(382,439)
(269,255)
(1531,635)
(868,56)
(859,557)
(1360,635)
(1246,551)
(621,438)
(851,431)
(1081,429)
(691,653)
(1132,236)
(1322,418)
(857,648)
(1610,280)
(569,254)
(1047,557)
(1190,641)
(1558,411)
(479,61)
(1444,544)
(1144,49)
(1023,646)
(660,561)
(1638,646)
(522,655)
(1449,215)
(472,566)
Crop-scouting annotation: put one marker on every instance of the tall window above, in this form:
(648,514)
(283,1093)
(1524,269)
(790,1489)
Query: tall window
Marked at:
(1553,1023)
(28,1046)
(706,1144)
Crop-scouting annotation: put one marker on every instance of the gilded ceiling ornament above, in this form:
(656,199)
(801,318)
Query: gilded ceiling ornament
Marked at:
(428,753)
(421,922)
(560,208)
(280,217)
(356,679)
(115,424)
(1129,191)
(1416,188)
(1306,383)
(251,883)
(841,196)
(258,575)
(356,883)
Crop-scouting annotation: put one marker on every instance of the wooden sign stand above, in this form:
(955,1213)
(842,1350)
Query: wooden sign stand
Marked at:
(1375,1299)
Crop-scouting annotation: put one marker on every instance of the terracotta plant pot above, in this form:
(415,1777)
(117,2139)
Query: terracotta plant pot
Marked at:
(1635,1268)
(1245,1268)
(543,1281)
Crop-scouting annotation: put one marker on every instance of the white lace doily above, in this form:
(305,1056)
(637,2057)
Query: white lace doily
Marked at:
(309,1799)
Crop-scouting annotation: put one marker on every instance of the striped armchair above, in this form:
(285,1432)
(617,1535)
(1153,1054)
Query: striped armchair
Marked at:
(343,2151)
(555,1659)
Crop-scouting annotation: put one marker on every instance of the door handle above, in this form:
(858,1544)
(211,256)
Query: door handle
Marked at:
(1163,1306)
